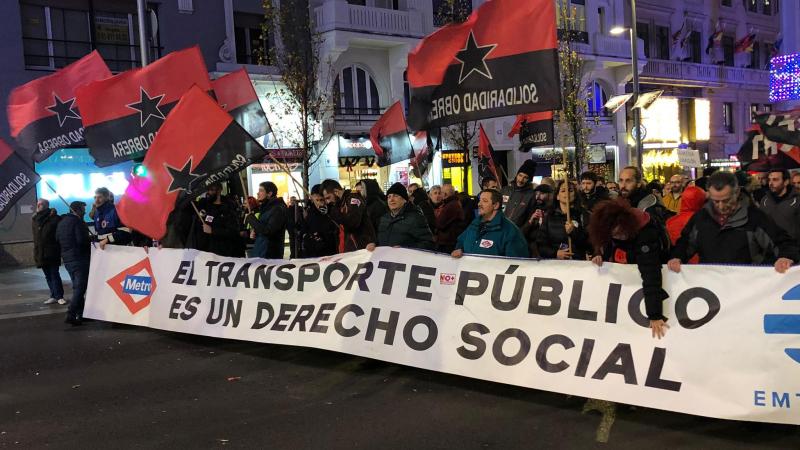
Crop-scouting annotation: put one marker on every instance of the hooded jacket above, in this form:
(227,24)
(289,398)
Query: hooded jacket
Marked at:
(692,200)
(270,228)
(46,251)
(784,210)
(408,229)
(747,237)
(518,203)
(644,250)
(498,237)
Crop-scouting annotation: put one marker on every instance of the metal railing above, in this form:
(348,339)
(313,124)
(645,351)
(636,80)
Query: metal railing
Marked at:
(53,54)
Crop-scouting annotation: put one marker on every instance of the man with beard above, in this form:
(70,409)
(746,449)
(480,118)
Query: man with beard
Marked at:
(220,228)
(592,190)
(270,225)
(319,235)
(518,196)
(672,199)
(632,189)
(782,203)
(348,210)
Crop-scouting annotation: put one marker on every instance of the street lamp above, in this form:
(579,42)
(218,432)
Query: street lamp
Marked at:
(637,120)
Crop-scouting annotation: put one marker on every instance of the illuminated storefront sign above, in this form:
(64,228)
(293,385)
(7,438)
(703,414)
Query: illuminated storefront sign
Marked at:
(662,121)
(73,175)
(453,158)
(702,119)
(784,78)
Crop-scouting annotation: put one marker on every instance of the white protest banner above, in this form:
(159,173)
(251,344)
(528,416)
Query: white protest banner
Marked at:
(563,326)
(688,157)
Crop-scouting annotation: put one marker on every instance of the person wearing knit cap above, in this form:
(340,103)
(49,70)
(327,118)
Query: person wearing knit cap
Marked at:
(404,225)
(519,196)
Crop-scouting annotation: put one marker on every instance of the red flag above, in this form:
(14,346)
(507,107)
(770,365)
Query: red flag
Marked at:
(198,144)
(529,118)
(42,114)
(389,137)
(122,114)
(501,61)
(235,94)
(486,166)
(16,178)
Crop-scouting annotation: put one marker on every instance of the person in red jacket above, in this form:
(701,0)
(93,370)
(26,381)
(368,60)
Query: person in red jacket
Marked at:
(692,200)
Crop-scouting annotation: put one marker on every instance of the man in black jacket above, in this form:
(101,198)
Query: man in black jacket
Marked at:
(349,210)
(404,225)
(72,235)
(518,197)
(632,189)
(319,235)
(591,190)
(220,227)
(726,232)
(782,203)
(46,252)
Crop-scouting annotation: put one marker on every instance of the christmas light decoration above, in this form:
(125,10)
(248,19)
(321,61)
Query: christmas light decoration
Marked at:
(784,78)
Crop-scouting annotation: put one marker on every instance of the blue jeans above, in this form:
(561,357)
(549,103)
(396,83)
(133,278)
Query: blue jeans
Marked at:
(53,281)
(79,274)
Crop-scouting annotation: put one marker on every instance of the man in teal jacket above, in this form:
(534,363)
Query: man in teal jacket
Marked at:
(491,233)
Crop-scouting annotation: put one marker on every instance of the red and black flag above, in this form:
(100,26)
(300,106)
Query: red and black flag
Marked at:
(781,128)
(16,178)
(389,137)
(423,153)
(502,61)
(235,93)
(760,152)
(486,167)
(42,114)
(535,130)
(198,144)
(122,114)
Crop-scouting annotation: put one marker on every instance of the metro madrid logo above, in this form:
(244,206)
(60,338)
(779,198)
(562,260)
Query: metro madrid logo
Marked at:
(135,285)
(786,323)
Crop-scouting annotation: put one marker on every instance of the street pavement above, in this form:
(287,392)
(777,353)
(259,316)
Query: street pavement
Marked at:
(111,386)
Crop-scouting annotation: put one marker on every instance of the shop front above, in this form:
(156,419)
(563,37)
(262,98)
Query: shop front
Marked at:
(288,186)
(454,165)
(599,158)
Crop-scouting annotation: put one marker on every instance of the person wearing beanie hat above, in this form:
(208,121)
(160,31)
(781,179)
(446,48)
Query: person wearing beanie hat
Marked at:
(404,225)
(519,196)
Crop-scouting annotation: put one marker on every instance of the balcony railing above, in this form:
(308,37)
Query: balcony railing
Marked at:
(344,16)
(702,74)
(619,47)
(52,54)
(356,117)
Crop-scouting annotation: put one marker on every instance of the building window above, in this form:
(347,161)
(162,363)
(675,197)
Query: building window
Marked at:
(357,92)
(727,117)
(726,2)
(752,5)
(601,14)
(662,42)
(357,2)
(251,47)
(727,50)
(753,112)
(695,47)
(576,9)
(643,33)
(755,56)
(443,10)
(54,37)
(595,100)
(766,7)
(389,4)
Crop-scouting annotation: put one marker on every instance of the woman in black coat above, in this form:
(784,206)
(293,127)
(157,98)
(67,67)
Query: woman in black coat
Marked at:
(376,200)
(554,235)
(421,200)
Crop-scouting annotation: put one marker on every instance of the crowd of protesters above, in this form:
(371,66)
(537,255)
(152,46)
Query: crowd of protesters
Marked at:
(724,218)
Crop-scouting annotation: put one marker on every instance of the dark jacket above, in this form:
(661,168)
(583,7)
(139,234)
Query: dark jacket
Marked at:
(552,235)
(646,201)
(498,237)
(518,203)
(748,237)
(72,235)
(407,229)
(423,202)
(449,223)
(351,213)
(599,194)
(644,250)
(319,235)
(107,225)
(223,218)
(270,228)
(785,211)
(376,201)
(46,251)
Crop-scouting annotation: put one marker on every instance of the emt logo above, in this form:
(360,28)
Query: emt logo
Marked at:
(135,285)
(785,323)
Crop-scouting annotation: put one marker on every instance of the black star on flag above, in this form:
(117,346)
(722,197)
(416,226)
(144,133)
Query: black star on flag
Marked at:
(183,179)
(473,58)
(63,109)
(147,106)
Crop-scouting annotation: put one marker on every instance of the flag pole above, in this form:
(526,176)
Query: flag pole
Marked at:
(566,182)
(63,200)
(199,216)
(140,11)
